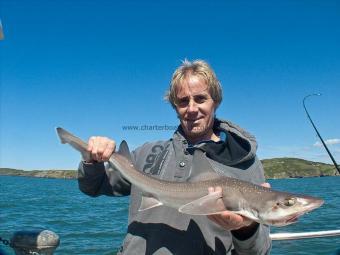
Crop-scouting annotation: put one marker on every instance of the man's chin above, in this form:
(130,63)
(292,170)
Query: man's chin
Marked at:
(195,133)
(196,128)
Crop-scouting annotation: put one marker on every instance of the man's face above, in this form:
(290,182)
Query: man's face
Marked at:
(195,108)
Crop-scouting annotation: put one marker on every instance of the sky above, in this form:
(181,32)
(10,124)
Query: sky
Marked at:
(96,67)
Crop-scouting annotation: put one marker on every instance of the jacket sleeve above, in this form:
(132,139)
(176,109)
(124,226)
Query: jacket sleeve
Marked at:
(260,242)
(95,179)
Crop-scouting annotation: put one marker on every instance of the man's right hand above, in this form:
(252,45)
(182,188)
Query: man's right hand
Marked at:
(101,148)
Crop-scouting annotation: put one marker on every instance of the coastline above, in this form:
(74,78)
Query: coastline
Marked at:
(53,174)
(276,168)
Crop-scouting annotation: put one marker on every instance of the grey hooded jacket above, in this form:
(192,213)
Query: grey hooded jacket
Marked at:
(163,230)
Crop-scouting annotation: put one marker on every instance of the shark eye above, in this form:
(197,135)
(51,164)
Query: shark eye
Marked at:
(289,202)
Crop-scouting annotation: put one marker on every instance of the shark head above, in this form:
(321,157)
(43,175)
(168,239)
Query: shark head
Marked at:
(286,208)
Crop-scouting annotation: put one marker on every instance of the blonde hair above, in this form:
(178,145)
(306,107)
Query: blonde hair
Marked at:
(196,68)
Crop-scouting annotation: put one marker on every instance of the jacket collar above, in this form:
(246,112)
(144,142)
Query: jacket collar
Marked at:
(236,145)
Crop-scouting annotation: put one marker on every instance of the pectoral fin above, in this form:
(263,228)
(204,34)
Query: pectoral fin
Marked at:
(148,203)
(207,205)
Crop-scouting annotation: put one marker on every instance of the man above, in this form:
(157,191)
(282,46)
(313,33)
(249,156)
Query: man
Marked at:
(195,93)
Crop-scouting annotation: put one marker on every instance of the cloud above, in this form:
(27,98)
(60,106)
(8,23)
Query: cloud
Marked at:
(328,142)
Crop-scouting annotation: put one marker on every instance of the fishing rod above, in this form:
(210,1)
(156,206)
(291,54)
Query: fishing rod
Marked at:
(311,234)
(1,31)
(317,132)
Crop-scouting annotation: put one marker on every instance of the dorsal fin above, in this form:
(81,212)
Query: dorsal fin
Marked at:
(124,150)
(201,169)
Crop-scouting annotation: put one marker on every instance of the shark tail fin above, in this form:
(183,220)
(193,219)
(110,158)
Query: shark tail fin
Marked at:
(62,134)
(75,142)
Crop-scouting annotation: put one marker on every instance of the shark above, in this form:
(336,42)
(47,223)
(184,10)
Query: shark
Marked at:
(258,203)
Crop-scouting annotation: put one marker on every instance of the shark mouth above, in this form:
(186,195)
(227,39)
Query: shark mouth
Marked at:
(294,218)
(287,220)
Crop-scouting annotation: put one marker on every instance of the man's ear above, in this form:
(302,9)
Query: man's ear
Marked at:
(215,107)
(177,114)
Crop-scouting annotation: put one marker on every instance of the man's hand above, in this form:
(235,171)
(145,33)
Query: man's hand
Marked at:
(101,148)
(229,220)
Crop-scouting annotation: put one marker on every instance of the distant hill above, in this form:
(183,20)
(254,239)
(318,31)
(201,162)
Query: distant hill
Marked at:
(58,174)
(275,168)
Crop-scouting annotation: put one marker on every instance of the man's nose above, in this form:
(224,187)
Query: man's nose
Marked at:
(192,106)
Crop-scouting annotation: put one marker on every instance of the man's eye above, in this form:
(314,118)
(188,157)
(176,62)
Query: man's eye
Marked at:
(182,102)
(200,99)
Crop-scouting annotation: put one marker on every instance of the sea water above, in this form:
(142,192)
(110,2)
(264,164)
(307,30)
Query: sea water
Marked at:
(98,225)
